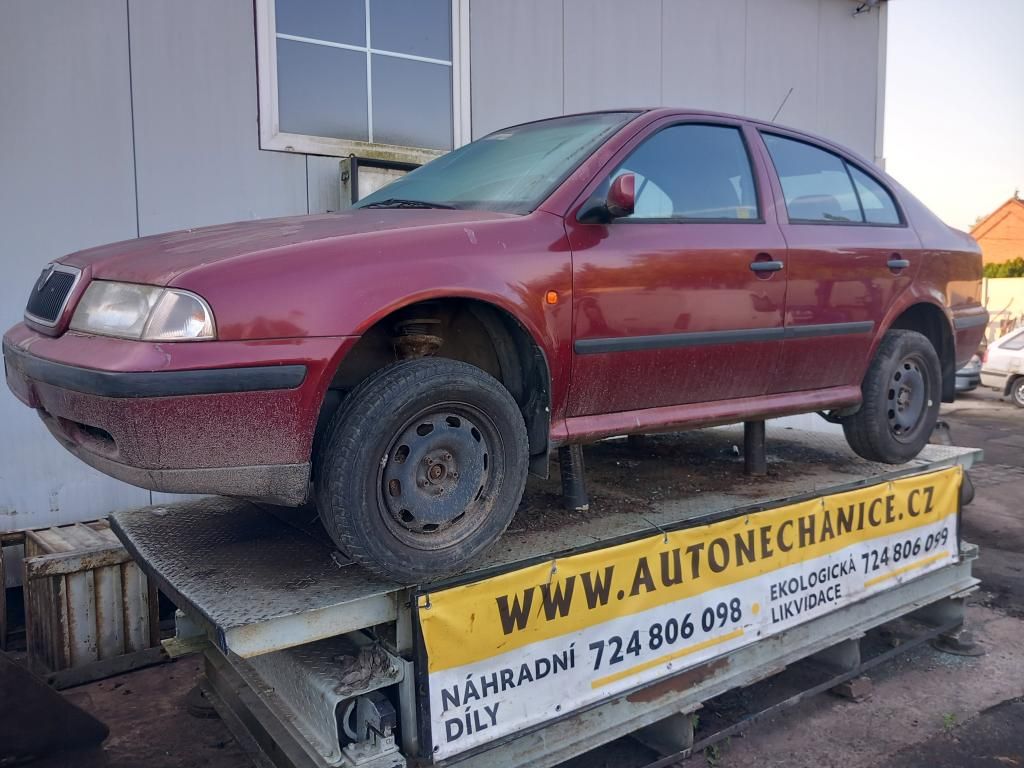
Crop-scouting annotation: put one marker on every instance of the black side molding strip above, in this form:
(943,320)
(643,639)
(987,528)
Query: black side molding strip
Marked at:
(706,338)
(672,340)
(155,383)
(828,329)
(971,321)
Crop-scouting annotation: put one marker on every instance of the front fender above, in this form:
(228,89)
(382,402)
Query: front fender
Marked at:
(343,286)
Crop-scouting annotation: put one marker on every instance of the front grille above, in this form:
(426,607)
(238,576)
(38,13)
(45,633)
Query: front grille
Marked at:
(50,293)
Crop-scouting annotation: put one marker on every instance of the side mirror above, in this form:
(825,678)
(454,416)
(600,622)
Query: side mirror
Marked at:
(620,201)
(622,196)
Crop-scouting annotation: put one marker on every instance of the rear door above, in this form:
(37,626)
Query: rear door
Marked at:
(850,254)
(668,307)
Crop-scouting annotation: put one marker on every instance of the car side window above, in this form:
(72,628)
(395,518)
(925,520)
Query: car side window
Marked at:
(692,172)
(822,187)
(815,183)
(1014,342)
(878,205)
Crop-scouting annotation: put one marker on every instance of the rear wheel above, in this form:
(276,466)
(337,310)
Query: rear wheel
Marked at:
(422,469)
(902,392)
(1017,391)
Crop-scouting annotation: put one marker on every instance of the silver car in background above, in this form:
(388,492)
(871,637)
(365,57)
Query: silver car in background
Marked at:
(1002,367)
(969,377)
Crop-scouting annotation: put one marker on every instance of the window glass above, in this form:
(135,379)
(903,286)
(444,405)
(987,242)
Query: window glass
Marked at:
(321,91)
(402,88)
(1014,342)
(814,182)
(420,27)
(511,170)
(336,21)
(325,48)
(876,201)
(692,172)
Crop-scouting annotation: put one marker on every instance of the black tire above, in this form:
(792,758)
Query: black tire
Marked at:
(1017,391)
(902,391)
(421,469)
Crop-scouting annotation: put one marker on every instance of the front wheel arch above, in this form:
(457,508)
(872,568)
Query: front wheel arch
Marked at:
(473,331)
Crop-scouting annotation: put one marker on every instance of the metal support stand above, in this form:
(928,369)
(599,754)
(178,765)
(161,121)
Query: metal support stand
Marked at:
(574,483)
(957,640)
(843,658)
(669,736)
(755,459)
(835,658)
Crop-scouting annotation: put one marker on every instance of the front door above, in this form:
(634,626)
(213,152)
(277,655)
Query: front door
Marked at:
(681,302)
(850,255)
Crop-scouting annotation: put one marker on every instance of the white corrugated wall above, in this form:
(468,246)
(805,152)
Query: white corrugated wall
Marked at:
(128,117)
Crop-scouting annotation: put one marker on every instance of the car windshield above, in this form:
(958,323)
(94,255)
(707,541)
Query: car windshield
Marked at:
(512,170)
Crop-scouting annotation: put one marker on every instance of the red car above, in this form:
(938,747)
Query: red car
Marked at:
(552,283)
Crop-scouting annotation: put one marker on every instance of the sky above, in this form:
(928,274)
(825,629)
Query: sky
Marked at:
(954,106)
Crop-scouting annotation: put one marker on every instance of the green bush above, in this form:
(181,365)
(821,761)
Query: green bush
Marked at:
(1011,268)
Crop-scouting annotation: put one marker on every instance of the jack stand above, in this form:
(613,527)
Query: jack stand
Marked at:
(841,658)
(574,482)
(755,459)
(958,642)
(941,435)
(966,490)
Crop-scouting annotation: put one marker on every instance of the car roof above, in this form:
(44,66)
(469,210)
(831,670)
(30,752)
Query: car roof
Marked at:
(656,113)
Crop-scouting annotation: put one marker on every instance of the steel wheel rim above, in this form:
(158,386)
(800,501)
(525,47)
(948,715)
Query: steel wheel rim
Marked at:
(907,398)
(1018,392)
(436,485)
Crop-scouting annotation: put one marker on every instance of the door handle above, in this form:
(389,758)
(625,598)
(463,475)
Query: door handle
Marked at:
(766,266)
(897,263)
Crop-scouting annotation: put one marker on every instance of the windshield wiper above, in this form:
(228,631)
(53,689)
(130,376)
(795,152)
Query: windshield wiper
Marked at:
(397,202)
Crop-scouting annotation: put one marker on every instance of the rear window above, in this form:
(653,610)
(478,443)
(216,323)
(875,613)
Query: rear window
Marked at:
(821,187)
(1013,342)
(877,203)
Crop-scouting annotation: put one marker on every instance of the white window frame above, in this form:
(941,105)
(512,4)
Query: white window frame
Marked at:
(273,138)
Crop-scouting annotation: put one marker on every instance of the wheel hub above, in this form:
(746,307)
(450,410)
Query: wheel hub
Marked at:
(435,472)
(908,397)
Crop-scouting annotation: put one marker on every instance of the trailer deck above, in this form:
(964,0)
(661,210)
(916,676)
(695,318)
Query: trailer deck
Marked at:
(279,603)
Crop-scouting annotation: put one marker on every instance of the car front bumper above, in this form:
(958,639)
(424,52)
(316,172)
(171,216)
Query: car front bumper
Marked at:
(232,418)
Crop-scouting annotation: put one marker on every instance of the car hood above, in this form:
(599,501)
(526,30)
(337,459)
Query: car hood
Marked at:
(159,259)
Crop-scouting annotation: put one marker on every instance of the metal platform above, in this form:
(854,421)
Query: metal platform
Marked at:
(315,663)
(266,578)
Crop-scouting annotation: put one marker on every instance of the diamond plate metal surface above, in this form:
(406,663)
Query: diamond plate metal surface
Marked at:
(254,573)
(268,578)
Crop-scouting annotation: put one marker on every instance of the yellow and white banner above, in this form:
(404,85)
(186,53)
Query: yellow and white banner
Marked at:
(518,649)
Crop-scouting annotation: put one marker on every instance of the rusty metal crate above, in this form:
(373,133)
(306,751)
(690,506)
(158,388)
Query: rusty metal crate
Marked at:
(90,611)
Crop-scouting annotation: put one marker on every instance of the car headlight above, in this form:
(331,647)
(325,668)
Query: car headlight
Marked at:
(144,312)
